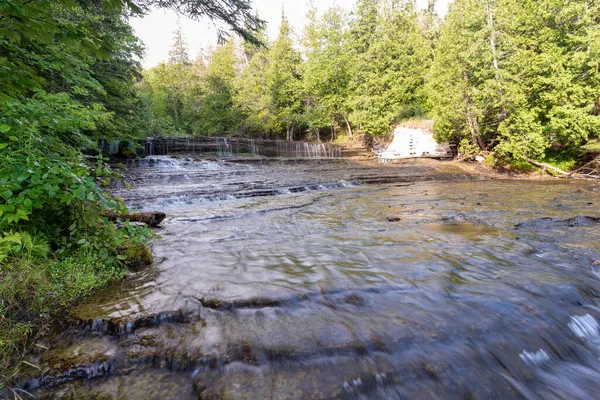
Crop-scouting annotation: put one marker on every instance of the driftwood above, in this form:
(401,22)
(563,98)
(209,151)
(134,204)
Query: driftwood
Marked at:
(151,219)
(546,166)
(590,170)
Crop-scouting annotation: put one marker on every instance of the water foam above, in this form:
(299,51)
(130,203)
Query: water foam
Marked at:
(586,327)
(535,358)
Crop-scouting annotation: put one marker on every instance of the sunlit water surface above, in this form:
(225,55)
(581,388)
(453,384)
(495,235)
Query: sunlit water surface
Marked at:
(286,281)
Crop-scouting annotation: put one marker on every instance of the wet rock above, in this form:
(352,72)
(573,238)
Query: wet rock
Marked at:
(135,385)
(549,223)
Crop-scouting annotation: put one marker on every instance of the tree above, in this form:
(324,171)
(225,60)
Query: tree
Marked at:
(67,75)
(520,77)
(391,58)
(326,69)
(551,79)
(461,68)
(284,80)
(217,114)
(236,15)
(252,96)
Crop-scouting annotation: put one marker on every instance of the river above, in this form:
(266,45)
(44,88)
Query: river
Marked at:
(327,280)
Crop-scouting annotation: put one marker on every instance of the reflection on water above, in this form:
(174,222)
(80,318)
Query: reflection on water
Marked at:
(444,289)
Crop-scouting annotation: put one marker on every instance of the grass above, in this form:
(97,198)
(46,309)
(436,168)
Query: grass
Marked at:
(564,161)
(593,146)
(35,285)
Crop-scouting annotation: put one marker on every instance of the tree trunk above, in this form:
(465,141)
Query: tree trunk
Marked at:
(348,125)
(151,219)
(176,114)
(471,118)
(495,61)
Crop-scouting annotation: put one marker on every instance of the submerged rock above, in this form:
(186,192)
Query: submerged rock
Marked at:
(548,222)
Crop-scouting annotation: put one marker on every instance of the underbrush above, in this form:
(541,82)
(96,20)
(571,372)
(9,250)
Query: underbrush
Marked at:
(564,161)
(55,245)
(35,283)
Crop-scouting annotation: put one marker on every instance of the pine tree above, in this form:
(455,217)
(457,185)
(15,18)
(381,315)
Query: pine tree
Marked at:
(179,53)
(284,80)
(326,69)
(391,59)
(252,96)
(462,87)
(552,76)
(217,114)
(520,77)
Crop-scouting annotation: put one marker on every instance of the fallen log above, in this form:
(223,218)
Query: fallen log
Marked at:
(152,219)
(593,175)
(546,166)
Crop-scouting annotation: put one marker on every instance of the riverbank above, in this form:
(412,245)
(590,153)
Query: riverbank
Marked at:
(38,284)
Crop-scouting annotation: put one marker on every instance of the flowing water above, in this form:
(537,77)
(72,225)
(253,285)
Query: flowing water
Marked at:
(334,280)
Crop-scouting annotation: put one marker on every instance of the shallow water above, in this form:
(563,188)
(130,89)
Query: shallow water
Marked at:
(304,281)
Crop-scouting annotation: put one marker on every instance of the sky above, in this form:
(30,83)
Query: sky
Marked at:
(156,29)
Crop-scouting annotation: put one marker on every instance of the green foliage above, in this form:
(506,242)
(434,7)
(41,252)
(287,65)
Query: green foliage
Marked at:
(68,75)
(467,148)
(33,284)
(217,113)
(518,76)
(326,69)
(561,160)
(390,58)
(284,80)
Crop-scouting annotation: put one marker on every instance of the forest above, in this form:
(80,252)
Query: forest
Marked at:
(515,80)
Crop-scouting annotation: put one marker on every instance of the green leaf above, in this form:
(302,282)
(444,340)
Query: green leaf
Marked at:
(5,128)
(7,194)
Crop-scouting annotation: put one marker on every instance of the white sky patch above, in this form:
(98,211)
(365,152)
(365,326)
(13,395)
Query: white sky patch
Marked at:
(156,29)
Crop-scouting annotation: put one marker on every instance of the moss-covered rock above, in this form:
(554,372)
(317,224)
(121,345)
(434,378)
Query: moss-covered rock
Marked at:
(137,256)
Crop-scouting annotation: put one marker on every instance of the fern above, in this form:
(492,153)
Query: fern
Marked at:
(22,245)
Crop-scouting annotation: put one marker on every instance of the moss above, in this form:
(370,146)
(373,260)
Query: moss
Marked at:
(136,256)
(521,166)
(491,160)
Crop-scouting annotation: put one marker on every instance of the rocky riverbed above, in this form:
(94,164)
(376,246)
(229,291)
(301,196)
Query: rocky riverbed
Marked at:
(332,279)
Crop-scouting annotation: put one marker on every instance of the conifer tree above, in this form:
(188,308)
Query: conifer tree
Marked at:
(284,80)
(217,114)
(391,62)
(326,69)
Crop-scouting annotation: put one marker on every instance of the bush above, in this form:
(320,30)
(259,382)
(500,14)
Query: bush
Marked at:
(55,245)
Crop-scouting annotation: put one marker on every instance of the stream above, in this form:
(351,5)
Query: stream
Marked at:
(337,280)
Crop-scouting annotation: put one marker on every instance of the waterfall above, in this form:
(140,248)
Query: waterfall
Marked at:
(149,149)
(222,146)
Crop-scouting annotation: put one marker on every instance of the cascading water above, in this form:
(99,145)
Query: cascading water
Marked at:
(282,280)
(229,147)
